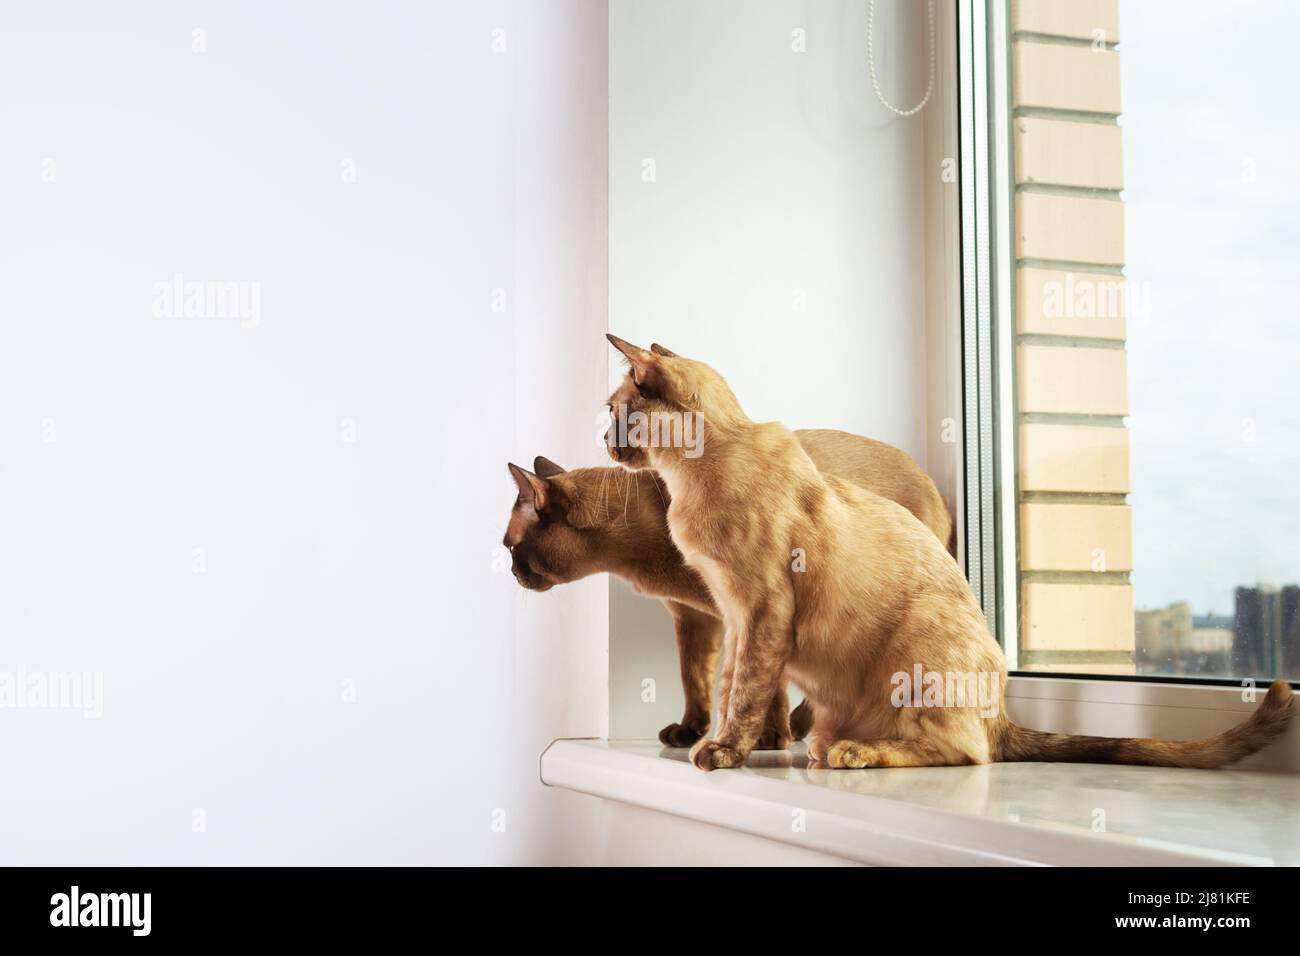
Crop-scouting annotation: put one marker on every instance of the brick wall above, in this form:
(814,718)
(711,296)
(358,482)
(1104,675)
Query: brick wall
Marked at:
(1072,380)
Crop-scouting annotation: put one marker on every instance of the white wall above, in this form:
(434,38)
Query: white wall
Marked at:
(326,560)
(781,238)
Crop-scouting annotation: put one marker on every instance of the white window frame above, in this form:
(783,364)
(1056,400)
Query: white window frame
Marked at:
(987,326)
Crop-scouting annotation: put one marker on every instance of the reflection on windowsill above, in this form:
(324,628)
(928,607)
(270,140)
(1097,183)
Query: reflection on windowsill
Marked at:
(1230,816)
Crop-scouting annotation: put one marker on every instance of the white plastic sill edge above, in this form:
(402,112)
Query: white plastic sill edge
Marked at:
(851,826)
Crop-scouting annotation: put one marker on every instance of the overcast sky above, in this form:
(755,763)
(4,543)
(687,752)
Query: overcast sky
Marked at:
(1211,100)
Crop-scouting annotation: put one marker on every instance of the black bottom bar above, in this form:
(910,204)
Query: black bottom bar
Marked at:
(557,908)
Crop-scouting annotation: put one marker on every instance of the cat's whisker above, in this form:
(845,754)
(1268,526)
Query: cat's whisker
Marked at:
(662,499)
(604,484)
(627,480)
(595,499)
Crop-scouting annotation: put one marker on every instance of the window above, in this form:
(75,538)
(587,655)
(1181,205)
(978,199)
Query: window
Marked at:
(1139,311)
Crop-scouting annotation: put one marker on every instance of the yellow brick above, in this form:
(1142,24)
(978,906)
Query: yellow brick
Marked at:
(1064,153)
(1077,381)
(1075,537)
(1076,617)
(1065,77)
(1072,228)
(1058,302)
(1084,458)
(1067,18)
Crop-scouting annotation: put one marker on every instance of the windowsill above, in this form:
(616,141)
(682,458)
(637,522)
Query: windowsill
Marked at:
(1001,814)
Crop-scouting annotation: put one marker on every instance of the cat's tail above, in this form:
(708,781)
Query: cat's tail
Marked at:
(1268,721)
(801,719)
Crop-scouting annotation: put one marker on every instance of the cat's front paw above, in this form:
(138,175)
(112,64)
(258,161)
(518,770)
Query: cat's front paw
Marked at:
(711,755)
(684,734)
(851,755)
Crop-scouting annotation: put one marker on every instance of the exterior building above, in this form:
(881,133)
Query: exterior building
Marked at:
(1172,641)
(1076,538)
(1159,635)
(1266,632)
(1289,653)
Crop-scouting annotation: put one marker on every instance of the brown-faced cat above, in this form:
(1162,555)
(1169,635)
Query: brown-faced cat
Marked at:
(875,614)
(566,525)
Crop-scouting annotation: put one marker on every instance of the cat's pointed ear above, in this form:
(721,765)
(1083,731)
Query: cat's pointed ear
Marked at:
(660,350)
(546,468)
(644,364)
(532,489)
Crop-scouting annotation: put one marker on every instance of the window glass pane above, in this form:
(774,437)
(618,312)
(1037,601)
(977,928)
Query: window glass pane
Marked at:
(1158,266)
(1213,210)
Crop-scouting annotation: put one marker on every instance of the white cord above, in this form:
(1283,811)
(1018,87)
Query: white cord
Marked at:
(871,62)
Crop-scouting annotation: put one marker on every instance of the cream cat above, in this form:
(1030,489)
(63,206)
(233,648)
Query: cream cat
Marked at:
(877,598)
